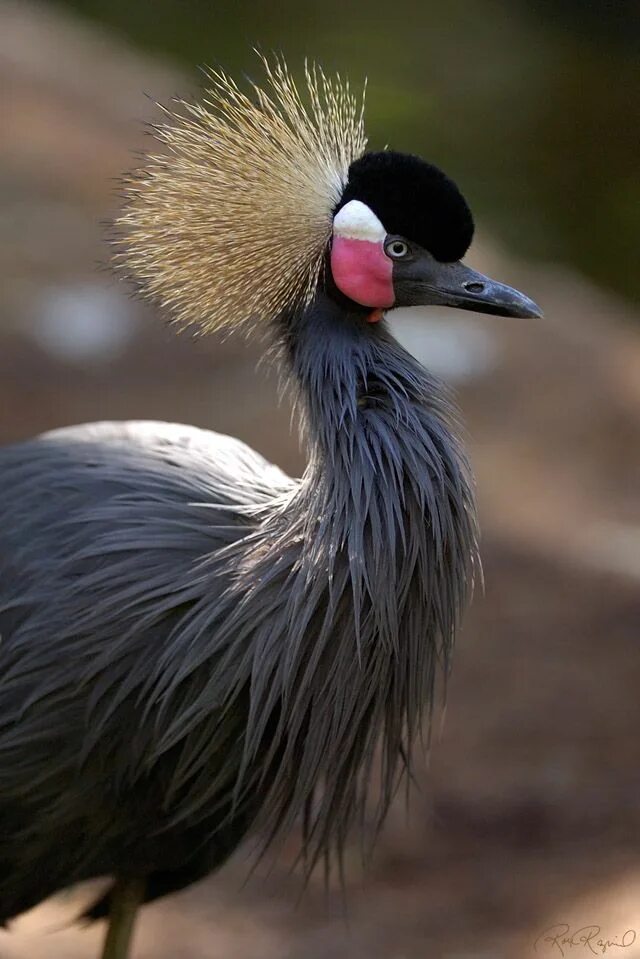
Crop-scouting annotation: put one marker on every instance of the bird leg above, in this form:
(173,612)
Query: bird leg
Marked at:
(126,897)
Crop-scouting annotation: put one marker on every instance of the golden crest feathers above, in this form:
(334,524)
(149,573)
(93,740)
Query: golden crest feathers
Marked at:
(229,225)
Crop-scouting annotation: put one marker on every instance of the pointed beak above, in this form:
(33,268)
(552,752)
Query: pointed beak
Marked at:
(464,288)
(455,284)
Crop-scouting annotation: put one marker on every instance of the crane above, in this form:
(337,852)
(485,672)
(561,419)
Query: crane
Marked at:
(196,647)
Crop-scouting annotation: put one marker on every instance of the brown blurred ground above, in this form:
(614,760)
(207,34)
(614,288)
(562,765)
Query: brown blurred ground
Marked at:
(530,812)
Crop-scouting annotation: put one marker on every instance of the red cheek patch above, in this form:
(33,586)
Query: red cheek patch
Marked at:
(362,271)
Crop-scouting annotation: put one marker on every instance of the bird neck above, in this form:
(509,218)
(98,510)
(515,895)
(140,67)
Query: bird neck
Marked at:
(357,388)
(387,483)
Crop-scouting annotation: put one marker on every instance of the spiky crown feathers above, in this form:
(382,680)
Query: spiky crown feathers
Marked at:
(230,224)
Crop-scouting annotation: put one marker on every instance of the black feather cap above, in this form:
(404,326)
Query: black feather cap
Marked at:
(414,199)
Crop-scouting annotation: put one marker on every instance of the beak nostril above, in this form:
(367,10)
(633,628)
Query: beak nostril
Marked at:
(474,287)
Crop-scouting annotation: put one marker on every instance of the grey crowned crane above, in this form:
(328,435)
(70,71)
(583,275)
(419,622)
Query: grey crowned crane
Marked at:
(195,647)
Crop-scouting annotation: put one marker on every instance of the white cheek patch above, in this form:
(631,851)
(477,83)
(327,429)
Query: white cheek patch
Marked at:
(355,221)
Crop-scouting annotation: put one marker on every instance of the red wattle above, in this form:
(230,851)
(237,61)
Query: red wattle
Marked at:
(362,271)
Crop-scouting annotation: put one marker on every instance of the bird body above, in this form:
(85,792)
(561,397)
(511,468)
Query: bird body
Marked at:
(102,529)
(146,555)
(195,646)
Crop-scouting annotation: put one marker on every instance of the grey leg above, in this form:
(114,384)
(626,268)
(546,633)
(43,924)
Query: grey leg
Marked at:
(127,895)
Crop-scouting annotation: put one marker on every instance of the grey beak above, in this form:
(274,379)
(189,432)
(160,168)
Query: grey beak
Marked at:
(455,284)
(426,281)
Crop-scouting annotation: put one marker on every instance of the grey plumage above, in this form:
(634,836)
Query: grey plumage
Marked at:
(194,645)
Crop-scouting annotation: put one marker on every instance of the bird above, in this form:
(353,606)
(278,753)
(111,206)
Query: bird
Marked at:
(195,647)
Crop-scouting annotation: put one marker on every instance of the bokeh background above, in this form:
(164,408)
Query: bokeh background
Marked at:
(529,812)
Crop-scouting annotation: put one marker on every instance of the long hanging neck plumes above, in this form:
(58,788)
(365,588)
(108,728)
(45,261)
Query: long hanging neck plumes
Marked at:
(345,600)
(387,485)
(318,663)
(384,520)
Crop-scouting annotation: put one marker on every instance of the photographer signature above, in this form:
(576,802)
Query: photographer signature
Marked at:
(561,938)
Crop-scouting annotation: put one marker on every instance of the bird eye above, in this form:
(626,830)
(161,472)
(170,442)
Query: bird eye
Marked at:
(396,249)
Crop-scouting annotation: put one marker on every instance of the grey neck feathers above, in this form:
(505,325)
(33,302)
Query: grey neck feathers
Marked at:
(323,658)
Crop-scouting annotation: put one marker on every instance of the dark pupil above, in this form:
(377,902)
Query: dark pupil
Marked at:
(398,248)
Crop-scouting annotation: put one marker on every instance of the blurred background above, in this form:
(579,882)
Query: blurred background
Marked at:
(529,812)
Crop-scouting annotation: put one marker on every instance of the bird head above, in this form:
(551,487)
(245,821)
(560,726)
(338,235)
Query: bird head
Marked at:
(399,234)
(258,199)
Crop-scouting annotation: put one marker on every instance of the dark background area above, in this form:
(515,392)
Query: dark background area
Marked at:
(528,813)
